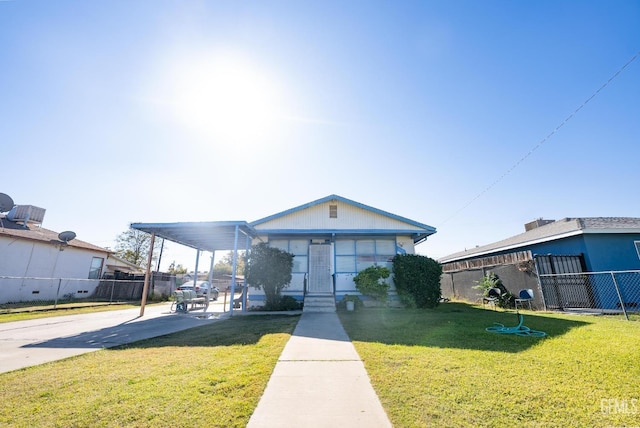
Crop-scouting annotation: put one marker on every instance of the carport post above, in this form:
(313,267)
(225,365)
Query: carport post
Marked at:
(233,270)
(210,278)
(245,290)
(147,275)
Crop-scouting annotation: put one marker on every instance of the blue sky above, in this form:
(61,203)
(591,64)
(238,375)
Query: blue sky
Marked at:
(155,111)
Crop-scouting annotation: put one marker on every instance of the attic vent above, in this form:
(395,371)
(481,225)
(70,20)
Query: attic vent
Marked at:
(333,211)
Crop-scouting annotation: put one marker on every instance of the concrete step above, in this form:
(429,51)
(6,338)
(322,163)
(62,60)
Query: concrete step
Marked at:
(319,303)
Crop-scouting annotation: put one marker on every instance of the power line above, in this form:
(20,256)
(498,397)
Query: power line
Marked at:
(544,140)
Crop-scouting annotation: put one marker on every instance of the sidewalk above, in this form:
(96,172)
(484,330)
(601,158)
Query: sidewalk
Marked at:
(319,381)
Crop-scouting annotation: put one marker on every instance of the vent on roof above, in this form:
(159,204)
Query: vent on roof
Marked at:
(26,214)
(536,223)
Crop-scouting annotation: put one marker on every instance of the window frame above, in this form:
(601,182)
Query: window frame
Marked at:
(93,269)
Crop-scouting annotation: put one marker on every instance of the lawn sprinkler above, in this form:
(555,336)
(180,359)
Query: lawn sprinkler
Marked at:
(520,329)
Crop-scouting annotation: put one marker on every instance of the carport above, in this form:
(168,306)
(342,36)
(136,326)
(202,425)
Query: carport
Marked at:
(202,236)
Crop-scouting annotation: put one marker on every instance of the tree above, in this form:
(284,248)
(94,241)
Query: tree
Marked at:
(133,246)
(269,269)
(179,269)
(226,264)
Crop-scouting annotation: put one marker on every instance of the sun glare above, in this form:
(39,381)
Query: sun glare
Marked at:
(226,100)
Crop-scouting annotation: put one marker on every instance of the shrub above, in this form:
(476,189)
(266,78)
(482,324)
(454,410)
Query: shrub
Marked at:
(371,282)
(270,269)
(491,280)
(288,303)
(417,280)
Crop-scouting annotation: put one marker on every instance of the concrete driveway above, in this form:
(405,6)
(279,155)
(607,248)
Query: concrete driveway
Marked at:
(33,342)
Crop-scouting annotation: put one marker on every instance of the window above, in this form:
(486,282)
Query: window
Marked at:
(345,255)
(637,247)
(333,211)
(352,256)
(96,268)
(299,248)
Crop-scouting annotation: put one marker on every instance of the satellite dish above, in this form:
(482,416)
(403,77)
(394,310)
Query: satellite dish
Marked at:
(66,236)
(6,203)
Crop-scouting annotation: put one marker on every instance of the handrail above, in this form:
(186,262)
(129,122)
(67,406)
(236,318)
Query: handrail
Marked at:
(333,277)
(305,284)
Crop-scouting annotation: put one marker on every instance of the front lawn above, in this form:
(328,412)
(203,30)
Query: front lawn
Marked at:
(441,368)
(212,376)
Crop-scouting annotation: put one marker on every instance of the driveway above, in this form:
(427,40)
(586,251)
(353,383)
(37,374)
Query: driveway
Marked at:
(33,342)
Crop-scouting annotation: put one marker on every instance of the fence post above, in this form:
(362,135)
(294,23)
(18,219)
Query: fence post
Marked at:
(57,293)
(539,279)
(615,283)
(113,285)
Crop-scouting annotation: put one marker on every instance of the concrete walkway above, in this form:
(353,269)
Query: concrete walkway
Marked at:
(37,341)
(319,381)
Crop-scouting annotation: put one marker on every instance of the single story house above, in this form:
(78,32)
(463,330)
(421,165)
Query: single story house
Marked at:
(558,249)
(332,239)
(35,264)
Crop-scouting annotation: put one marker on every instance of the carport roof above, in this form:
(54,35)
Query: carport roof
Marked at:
(206,235)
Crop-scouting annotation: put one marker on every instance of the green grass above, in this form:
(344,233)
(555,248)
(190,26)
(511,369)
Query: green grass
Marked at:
(33,312)
(441,368)
(429,367)
(212,375)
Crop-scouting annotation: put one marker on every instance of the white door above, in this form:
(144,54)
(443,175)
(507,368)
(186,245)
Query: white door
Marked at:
(320,269)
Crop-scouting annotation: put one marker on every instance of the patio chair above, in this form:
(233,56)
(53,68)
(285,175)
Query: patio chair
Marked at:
(525,296)
(493,295)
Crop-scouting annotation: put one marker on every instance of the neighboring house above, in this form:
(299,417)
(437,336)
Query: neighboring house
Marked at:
(36,265)
(332,239)
(115,266)
(570,245)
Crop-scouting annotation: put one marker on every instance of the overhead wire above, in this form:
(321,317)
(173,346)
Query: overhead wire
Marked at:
(545,139)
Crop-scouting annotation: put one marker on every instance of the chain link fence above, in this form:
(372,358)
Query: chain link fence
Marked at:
(34,291)
(616,292)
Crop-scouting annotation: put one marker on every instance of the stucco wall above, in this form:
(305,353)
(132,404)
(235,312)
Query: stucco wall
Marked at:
(32,270)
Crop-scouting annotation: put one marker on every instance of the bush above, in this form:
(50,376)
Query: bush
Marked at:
(371,282)
(491,280)
(285,303)
(417,280)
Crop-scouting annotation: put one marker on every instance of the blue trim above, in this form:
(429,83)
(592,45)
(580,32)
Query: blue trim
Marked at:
(417,235)
(429,229)
(342,232)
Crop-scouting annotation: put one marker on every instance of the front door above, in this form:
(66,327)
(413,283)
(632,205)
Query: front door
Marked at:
(320,269)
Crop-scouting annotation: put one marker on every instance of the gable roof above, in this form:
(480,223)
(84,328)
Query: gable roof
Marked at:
(11,229)
(553,231)
(419,230)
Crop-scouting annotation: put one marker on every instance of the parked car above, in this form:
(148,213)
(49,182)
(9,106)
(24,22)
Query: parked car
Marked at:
(201,288)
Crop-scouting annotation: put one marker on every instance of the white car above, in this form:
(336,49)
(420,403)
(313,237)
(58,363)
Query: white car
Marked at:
(201,288)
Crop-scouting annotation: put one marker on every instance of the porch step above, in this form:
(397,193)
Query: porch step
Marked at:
(319,303)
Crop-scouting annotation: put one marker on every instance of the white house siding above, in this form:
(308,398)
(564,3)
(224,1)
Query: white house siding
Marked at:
(359,236)
(385,247)
(350,217)
(32,270)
